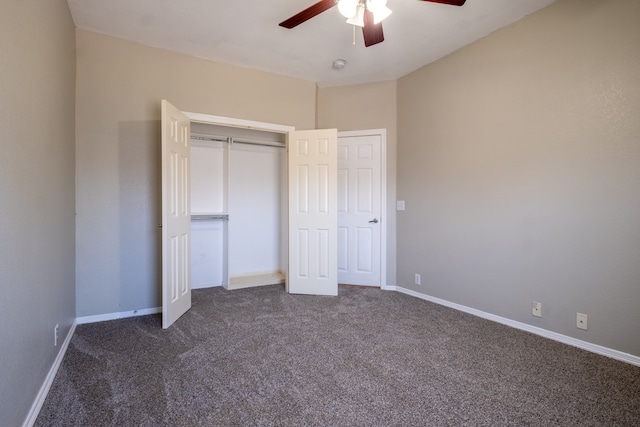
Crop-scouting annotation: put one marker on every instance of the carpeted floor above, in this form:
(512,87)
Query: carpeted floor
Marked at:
(261,357)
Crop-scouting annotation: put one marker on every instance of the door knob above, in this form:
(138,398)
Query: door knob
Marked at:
(374,221)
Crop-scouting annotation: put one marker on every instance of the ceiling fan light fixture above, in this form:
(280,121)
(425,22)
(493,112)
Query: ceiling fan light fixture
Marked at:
(367,14)
(348,8)
(379,9)
(358,18)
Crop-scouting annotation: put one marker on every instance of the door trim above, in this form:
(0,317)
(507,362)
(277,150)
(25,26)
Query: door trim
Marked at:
(238,123)
(383,194)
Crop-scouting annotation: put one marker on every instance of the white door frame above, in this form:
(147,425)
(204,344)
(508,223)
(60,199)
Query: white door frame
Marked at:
(243,124)
(238,123)
(382,133)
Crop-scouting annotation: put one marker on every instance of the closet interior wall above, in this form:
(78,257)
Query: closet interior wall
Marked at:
(238,207)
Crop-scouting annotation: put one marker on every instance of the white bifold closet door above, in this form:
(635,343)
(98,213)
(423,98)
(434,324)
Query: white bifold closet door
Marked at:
(176,214)
(313,215)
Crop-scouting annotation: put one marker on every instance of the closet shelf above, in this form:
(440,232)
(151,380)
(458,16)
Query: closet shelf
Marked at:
(210,217)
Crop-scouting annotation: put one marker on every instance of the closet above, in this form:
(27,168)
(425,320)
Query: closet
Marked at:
(259,212)
(238,206)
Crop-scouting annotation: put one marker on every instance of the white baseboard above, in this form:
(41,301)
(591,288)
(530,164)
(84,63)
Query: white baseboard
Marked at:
(44,389)
(594,348)
(120,315)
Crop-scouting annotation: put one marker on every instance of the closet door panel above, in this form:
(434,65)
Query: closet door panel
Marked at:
(176,218)
(313,206)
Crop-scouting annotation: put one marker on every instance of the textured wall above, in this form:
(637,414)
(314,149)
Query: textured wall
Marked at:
(519,160)
(360,107)
(37,69)
(119,88)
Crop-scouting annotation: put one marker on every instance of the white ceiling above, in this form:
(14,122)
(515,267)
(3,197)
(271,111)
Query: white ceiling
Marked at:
(246,33)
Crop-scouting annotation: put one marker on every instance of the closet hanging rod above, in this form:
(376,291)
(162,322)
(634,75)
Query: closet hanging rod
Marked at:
(208,138)
(215,138)
(211,217)
(263,143)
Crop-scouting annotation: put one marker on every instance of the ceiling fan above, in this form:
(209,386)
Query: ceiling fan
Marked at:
(367,14)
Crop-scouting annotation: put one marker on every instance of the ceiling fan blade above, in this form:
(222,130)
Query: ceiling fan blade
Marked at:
(451,2)
(371,32)
(308,13)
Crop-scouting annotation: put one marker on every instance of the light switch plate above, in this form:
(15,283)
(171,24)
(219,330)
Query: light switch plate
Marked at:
(400,205)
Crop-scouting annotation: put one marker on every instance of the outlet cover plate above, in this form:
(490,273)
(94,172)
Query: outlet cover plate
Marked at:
(536,309)
(581,321)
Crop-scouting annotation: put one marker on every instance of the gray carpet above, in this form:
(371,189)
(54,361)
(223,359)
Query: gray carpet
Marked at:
(261,357)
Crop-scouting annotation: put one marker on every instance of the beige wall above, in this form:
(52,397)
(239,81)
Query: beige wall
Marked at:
(119,88)
(518,160)
(361,107)
(37,257)
(517,157)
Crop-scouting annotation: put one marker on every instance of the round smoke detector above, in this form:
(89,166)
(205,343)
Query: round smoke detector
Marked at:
(339,64)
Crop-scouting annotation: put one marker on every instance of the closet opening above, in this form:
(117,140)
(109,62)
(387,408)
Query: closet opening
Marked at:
(238,207)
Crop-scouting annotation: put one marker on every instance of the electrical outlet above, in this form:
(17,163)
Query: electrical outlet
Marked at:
(56,332)
(581,321)
(417,279)
(536,309)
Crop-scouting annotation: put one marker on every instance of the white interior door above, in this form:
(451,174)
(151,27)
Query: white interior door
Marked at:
(176,215)
(359,210)
(312,168)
